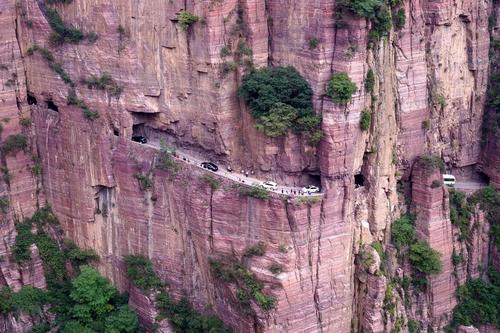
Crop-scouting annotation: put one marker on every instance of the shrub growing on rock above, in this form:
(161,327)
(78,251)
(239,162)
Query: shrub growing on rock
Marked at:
(258,249)
(313,43)
(280,119)
(262,89)
(186,19)
(340,88)
(399,19)
(366,120)
(256,191)
(478,303)
(279,99)
(370,81)
(424,259)
(430,163)
(62,33)
(15,143)
(403,231)
(140,272)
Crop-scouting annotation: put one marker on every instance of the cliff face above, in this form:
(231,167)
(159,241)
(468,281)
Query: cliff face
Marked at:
(430,84)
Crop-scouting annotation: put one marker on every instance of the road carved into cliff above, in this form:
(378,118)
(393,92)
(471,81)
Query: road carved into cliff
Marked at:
(234,176)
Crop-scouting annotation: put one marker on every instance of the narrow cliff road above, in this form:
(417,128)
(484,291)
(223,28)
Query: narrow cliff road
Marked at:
(234,176)
(469,186)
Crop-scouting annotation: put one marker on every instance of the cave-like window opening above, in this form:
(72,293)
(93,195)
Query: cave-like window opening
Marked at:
(32,99)
(359,180)
(52,106)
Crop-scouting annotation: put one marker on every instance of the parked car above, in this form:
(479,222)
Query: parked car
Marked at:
(210,166)
(270,185)
(449,180)
(139,138)
(310,189)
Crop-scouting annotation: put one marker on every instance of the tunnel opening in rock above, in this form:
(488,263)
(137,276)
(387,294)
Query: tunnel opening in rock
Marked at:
(51,105)
(482,177)
(32,99)
(313,179)
(103,200)
(359,180)
(138,130)
(116,132)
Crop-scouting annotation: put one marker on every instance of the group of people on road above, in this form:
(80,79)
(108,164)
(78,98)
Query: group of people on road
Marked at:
(246,173)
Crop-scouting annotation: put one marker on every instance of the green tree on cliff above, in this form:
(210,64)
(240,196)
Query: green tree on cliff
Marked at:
(279,99)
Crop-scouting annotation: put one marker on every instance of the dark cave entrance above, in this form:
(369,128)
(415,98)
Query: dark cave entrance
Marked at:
(138,130)
(51,105)
(359,180)
(313,179)
(32,99)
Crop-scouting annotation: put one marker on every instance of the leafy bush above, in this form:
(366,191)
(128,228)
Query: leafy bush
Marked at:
(370,81)
(280,119)
(262,89)
(364,8)
(340,88)
(87,304)
(413,326)
(249,285)
(439,99)
(488,199)
(430,163)
(457,259)
(399,19)
(256,191)
(403,231)
(145,183)
(313,43)
(460,212)
(478,304)
(381,23)
(78,256)
(90,115)
(185,319)
(62,33)
(258,249)
(103,82)
(186,19)
(315,137)
(424,259)
(165,159)
(25,122)
(272,93)
(5,300)
(4,204)
(92,296)
(29,300)
(14,143)
(366,120)
(140,272)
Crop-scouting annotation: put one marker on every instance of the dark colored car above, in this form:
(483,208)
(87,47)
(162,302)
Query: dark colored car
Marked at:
(210,166)
(139,138)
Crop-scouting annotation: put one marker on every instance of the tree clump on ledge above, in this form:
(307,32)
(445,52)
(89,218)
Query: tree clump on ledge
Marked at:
(341,88)
(186,19)
(280,99)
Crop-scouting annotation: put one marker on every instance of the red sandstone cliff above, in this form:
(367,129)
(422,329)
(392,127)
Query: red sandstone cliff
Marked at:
(172,83)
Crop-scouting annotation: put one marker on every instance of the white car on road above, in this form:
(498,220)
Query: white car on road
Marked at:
(310,189)
(269,185)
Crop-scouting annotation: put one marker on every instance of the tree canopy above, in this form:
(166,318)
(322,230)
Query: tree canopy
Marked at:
(279,99)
